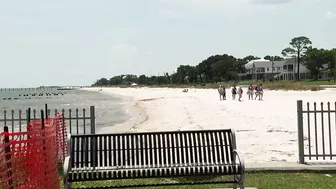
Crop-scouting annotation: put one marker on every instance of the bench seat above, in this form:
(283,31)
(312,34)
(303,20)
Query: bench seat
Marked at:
(106,173)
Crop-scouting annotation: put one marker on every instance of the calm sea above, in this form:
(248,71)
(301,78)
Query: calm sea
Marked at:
(110,110)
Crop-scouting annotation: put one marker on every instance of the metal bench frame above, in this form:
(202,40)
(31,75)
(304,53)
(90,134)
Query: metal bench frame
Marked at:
(88,155)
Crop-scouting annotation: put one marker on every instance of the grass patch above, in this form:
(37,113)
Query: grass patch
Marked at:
(303,85)
(289,85)
(260,180)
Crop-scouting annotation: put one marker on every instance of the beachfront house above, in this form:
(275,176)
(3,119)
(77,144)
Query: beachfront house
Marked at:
(289,71)
(282,70)
(262,69)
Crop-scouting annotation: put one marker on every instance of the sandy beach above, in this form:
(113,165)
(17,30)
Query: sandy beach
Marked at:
(266,130)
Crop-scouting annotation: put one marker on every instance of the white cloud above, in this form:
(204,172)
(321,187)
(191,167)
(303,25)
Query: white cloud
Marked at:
(225,5)
(268,2)
(122,53)
(330,15)
(123,49)
(205,4)
(169,14)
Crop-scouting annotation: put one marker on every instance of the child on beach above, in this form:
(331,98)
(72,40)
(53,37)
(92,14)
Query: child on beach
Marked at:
(234,92)
(250,92)
(240,93)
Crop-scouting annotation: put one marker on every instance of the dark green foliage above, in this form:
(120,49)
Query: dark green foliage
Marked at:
(224,68)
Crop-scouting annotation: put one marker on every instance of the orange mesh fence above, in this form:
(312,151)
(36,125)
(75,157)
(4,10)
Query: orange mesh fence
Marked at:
(30,159)
(61,134)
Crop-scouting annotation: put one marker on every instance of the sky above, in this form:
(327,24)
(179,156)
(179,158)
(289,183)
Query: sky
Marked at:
(76,42)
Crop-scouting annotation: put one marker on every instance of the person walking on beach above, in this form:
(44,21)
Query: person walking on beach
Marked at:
(224,94)
(250,92)
(234,92)
(256,92)
(221,91)
(240,93)
(261,92)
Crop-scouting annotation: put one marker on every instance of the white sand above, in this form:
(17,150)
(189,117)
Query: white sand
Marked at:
(266,130)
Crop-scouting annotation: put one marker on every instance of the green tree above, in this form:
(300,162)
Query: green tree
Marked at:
(142,80)
(228,67)
(116,80)
(274,58)
(186,74)
(317,60)
(161,80)
(332,66)
(101,82)
(129,78)
(298,48)
(250,57)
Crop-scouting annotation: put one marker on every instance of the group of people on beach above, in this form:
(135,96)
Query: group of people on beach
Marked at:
(252,91)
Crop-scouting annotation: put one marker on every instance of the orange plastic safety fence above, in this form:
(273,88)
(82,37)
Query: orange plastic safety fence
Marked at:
(30,159)
(61,134)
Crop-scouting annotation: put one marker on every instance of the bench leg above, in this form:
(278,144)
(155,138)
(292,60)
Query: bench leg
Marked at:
(68,185)
(240,179)
(241,186)
(66,169)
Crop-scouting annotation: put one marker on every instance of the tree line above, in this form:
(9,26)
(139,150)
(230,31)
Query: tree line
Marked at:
(227,67)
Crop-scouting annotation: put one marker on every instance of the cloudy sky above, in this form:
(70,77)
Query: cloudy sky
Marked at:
(74,42)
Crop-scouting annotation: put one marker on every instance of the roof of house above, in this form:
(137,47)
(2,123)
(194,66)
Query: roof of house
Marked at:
(250,64)
(263,63)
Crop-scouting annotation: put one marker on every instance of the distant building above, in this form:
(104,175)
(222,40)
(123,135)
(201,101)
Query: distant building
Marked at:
(282,70)
(290,71)
(263,69)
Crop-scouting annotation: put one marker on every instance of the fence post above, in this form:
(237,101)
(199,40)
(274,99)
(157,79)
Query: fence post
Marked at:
(300,131)
(8,159)
(28,115)
(42,128)
(46,111)
(94,139)
(92,120)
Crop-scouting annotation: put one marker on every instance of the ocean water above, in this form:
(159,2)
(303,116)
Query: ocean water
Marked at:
(109,110)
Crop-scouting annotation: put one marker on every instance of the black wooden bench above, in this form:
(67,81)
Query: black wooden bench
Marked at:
(155,155)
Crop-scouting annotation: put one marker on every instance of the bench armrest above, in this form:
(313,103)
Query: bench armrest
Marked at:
(69,145)
(241,161)
(66,169)
(239,178)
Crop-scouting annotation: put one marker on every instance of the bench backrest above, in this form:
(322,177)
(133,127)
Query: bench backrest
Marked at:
(153,149)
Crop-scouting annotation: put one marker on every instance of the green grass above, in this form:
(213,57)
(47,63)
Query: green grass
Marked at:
(278,85)
(257,179)
(303,82)
(302,85)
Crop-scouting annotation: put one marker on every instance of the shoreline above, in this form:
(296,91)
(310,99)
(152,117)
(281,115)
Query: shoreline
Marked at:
(266,130)
(134,108)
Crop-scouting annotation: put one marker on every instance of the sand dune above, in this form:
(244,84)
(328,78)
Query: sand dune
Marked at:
(266,130)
